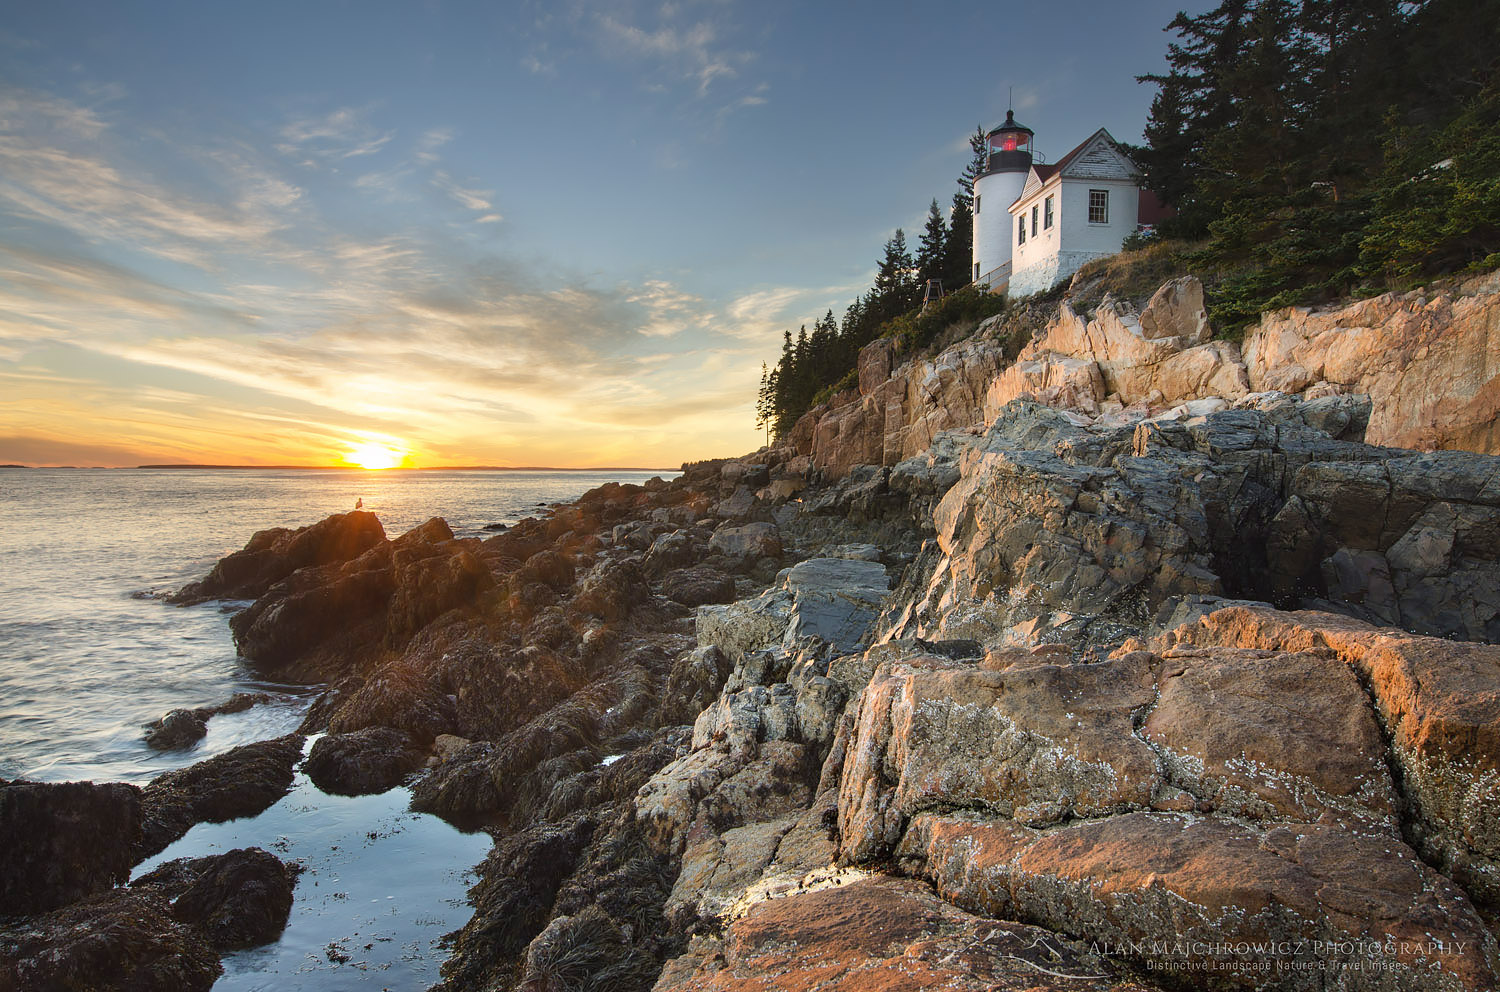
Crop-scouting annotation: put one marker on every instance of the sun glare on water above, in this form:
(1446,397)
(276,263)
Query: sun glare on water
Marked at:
(375,456)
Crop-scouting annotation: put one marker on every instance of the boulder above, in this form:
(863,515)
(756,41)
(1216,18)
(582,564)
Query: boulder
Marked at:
(272,555)
(1314,905)
(1428,363)
(697,586)
(366,761)
(400,695)
(1050,378)
(834,601)
(612,589)
(717,788)
(896,413)
(241,898)
(1413,540)
(717,867)
(1040,744)
(874,364)
(673,550)
(747,541)
(1083,533)
(1438,702)
(64,841)
(182,728)
(883,933)
(1224,728)
(694,683)
(122,939)
(1176,310)
(321,622)
(176,730)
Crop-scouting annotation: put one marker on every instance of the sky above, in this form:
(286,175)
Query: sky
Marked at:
(557,233)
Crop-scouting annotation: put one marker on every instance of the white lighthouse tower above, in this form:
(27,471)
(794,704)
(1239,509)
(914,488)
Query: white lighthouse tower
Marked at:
(1007,161)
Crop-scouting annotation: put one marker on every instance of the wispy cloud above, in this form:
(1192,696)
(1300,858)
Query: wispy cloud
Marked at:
(472,199)
(683,45)
(411,332)
(54,169)
(669,310)
(430,141)
(339,134)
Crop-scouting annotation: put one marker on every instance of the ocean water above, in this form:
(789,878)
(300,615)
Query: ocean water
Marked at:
(89,652)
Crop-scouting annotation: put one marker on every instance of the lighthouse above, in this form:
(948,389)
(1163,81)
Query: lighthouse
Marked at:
(1007,161)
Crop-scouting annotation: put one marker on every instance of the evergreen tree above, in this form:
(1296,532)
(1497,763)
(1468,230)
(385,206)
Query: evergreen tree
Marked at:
(978,159)
(958,254)
(1191,106)
(1438,208)
(895,280)
(932,255)
(765,399)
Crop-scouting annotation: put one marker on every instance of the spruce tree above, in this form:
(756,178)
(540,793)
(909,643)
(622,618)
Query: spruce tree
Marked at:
(958,254)
(978,159)
(895,279)
(932,254)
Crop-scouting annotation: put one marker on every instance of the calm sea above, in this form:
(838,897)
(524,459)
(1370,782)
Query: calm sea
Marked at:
(89,653)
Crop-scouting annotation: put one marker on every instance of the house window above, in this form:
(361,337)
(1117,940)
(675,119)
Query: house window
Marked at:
(1034,209)
(1021,230)
(1098,206)
(976,270)
(1047,215)
(976,203)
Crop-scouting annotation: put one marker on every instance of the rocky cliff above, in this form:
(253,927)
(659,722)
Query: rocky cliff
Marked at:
(1428,363)
(1106,668)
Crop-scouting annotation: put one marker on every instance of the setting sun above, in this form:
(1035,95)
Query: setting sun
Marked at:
(375,456)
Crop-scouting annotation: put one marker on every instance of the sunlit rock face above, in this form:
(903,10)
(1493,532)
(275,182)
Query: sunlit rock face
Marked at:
(1417,371)
(1227,789)
(1429,364)
(1087,533)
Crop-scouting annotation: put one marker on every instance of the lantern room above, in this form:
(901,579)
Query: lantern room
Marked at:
(1008,147)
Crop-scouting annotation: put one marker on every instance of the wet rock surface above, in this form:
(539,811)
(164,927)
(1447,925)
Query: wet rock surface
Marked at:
(180,729)
(61,842)
(238,899)
(366,761)
(237,783)
(122,939)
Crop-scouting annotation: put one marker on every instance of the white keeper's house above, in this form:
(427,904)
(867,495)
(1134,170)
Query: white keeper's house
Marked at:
(1036,224)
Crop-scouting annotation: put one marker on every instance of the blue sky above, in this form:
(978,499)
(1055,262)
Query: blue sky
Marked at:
(518,233)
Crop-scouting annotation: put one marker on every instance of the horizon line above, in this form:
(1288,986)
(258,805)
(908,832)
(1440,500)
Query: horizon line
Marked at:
(357,468)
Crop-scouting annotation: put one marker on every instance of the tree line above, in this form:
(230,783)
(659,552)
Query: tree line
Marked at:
(1325,148)
(812,361)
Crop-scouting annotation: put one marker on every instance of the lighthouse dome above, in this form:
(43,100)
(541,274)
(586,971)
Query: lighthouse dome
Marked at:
(1008,147)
